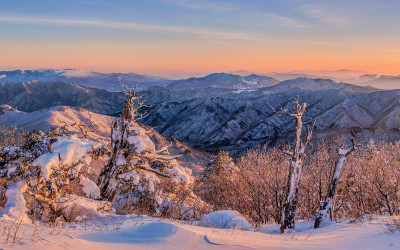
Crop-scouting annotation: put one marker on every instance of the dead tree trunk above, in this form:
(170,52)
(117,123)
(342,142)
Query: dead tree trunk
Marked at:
(325,211)
(297,154)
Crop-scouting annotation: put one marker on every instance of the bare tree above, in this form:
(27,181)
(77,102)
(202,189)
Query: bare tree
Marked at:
(296,157)
(85,128)
(325,210)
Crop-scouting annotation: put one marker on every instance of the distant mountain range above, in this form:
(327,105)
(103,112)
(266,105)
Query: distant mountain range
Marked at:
(361,78)
(32,96)
(230,112)
(108,82)
(221,120)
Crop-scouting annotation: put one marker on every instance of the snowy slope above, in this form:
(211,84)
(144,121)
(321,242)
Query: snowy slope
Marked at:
(55,116)
(146,233)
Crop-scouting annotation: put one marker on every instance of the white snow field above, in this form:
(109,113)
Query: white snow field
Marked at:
(137,232)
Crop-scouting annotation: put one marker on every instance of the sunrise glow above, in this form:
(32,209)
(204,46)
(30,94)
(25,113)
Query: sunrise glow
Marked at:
(169,37)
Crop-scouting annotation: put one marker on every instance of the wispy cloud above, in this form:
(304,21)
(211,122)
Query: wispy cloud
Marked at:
(203,4)
(285,20)
(218,6)
(214,34)
(328,15)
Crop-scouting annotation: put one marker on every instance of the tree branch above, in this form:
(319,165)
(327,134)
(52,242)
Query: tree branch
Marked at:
(154,171)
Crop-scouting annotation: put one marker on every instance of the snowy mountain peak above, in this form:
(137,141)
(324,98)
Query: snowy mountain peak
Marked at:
(224,81)
(319,84)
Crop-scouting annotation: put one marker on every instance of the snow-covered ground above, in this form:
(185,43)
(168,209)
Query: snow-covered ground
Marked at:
(136,232)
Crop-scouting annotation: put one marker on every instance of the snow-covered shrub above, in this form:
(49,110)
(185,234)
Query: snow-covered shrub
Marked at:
(50,167)
(61,172)
(148,181)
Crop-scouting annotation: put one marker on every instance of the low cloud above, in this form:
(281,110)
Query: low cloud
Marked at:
(77,73)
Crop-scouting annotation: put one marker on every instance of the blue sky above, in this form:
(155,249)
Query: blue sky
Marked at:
(175,36)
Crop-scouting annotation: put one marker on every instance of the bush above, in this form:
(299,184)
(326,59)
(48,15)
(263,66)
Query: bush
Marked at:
(11,136)
(217,180)
(255,189)
(369,185)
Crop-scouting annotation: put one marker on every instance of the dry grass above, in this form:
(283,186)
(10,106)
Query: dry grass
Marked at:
(14,232)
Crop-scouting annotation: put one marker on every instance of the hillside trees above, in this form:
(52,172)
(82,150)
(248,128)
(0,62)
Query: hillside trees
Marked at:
(261,184)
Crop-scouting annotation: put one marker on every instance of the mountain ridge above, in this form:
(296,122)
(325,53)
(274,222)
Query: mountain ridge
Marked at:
(214,118)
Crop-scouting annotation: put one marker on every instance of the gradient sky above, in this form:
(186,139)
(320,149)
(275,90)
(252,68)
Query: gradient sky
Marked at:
(166,37)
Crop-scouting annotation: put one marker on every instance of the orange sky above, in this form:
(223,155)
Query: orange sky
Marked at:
(172,37)
(200,57)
